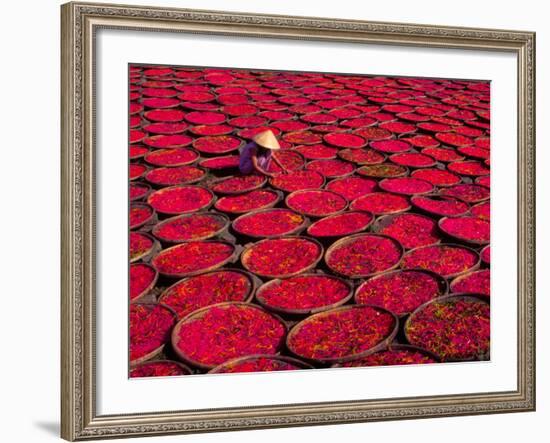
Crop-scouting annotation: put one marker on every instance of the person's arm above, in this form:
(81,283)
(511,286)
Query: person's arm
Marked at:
(260,165)
(276,160)
(263,165)
(255,163)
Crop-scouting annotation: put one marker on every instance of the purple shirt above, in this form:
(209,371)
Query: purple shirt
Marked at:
(247,152)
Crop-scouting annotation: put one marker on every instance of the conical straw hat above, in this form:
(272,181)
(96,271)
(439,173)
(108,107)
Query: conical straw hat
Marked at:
(267,140)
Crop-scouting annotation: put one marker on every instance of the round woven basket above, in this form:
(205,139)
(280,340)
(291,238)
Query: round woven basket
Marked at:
(232,258)
(384,221)
(254,281)
(295,230)
(331,360)
(461,238)
(197,315)
(151,285)
(331,238)
(345,240)
(155,246)
(450,276)
(158,350)
(247,249)
(224,219)
(261,300)
(442,284)
(310,214)
(467,297)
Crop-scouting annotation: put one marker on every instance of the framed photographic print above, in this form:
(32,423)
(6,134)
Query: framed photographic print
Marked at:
(283,221)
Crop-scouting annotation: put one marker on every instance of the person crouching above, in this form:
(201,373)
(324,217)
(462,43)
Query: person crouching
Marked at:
(257,154)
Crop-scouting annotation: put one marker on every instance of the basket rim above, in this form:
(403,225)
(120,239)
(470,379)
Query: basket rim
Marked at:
(150,106)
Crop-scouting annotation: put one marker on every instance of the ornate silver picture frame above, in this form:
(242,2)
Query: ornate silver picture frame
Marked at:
(80,22)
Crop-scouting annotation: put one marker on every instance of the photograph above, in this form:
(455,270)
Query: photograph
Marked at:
(292,220)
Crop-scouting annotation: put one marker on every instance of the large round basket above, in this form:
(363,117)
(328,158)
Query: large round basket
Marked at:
(223,222)
(249,248)
(293,230)
(352,238)
(271,283)
(155,352)
(229,259)
(382,344)
(199,313)
(448,298)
